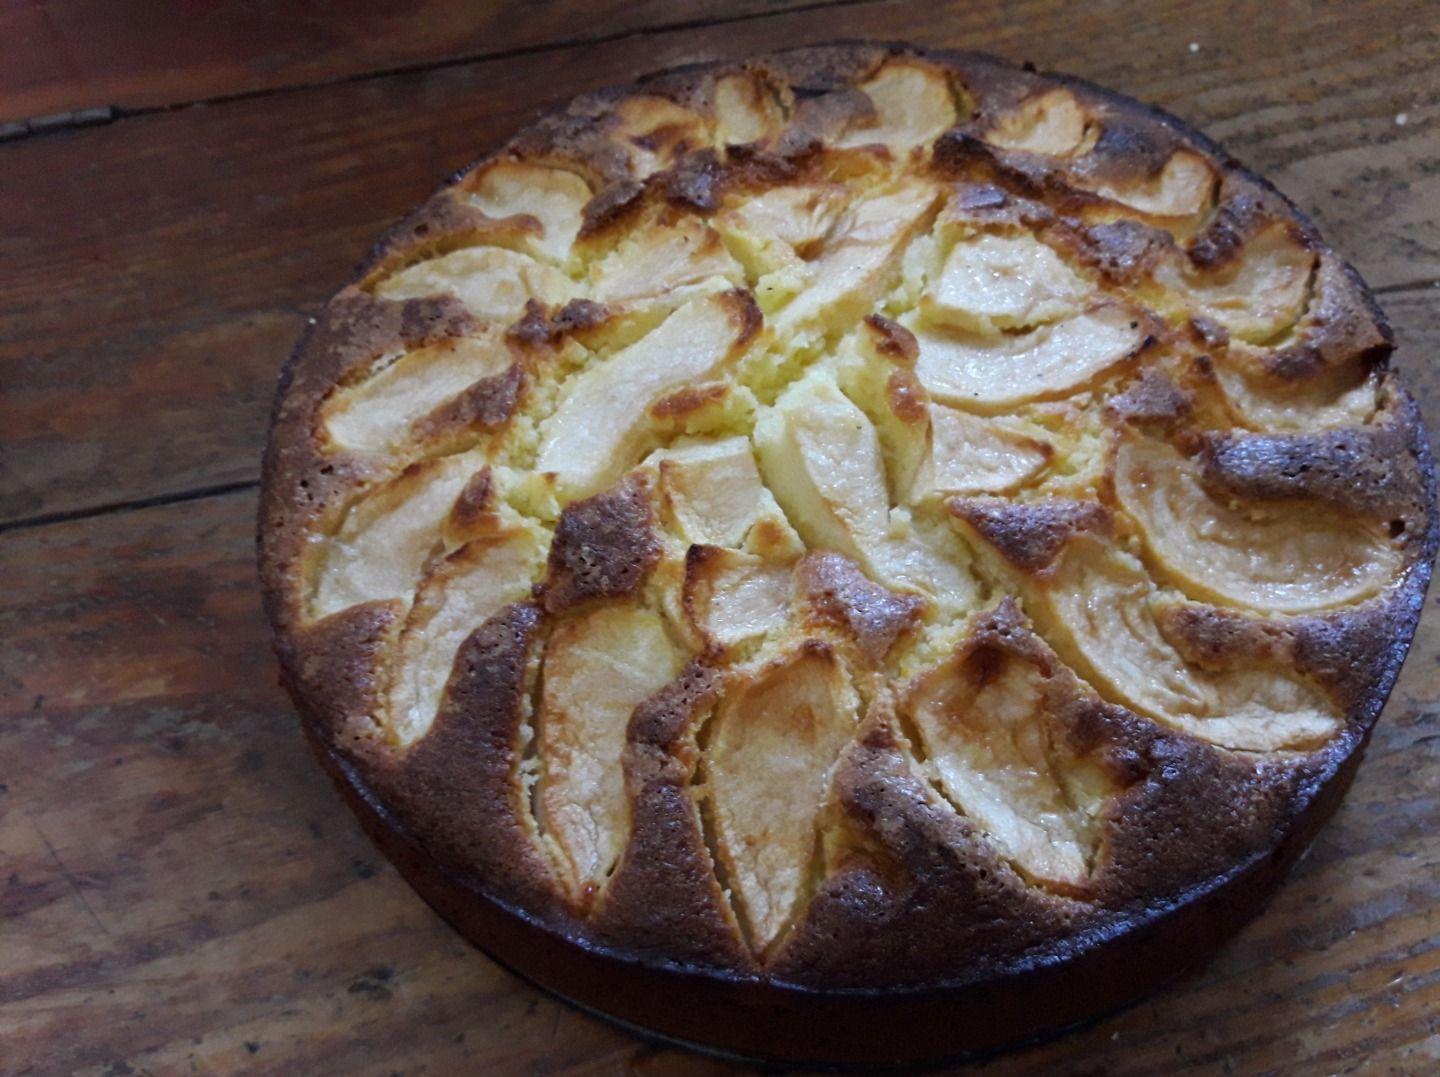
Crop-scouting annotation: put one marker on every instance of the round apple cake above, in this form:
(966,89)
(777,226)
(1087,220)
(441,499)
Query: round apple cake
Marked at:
(856,555)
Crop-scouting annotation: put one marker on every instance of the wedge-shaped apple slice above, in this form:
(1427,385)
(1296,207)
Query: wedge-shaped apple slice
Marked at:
(773,742)
(1282,556)
(598,668)
(1184,187)
(387,536)
(661,259)
(713,493)
(553,197)
(1052,123)
(492,282)
(1341,396)
(971,454)
(1099,609)
(783,226)
(821,457)
(599,429)
(378,412)
(860,260)
(1255,294)
(733,598)
(913,106)
(988,374)
(991,282)
(986,719)
(459,594)
(746,109)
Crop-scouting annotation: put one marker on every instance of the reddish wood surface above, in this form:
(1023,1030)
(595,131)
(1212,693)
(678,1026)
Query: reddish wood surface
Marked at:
(61,55)
(182,892)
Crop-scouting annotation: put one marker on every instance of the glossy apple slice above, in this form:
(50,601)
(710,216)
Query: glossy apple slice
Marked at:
(1283,556)
(773,742)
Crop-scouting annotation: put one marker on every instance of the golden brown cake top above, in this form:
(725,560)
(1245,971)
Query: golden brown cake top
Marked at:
(858,516)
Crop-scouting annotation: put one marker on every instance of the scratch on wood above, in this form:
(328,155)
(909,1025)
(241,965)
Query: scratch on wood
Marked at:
(65,874)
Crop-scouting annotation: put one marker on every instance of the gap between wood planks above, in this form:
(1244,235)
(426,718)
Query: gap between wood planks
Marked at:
(101,115)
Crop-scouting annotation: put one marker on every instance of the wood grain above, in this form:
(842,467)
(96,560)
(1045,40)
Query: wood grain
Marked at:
(163,265)
(61,55)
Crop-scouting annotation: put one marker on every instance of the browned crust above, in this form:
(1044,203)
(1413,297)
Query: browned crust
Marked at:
(1153,398)
(1030,536)
(664,901)
(605,546)
(836,593)
(1372,470)
(892,340)
(459,786)
(906,864)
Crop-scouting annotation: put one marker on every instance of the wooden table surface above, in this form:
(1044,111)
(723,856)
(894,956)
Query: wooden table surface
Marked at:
(180,889)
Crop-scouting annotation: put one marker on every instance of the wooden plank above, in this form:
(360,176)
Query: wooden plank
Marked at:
(61,55)
(183,892)
(160,267)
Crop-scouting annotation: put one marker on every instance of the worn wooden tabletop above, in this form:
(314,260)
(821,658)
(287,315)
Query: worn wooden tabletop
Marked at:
(180,890)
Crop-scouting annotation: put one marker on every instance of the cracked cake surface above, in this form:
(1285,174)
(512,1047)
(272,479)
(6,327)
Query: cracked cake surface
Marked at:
(859,519)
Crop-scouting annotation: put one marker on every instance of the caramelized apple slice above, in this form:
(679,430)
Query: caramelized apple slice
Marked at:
(1344,395)
(1185,187)
(970,454)
(388,535)
(553,197)
(1099,609)
(733,598)
(655,131)
(1255,294)
(712,491)
(992,282)
(746,110)
(599,429)
(987,725)
(459,594)
(661,259)
(913,106)
(1286,556)
(1052,123)
(492,282)
(987,374)
(598,667)
(860,260)
(378,412)
(773,742)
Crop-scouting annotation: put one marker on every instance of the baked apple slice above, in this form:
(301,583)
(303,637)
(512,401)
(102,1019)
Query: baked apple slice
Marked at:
(773,742)
(599,429)
(994,373)
(1290,556)
(598,667)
